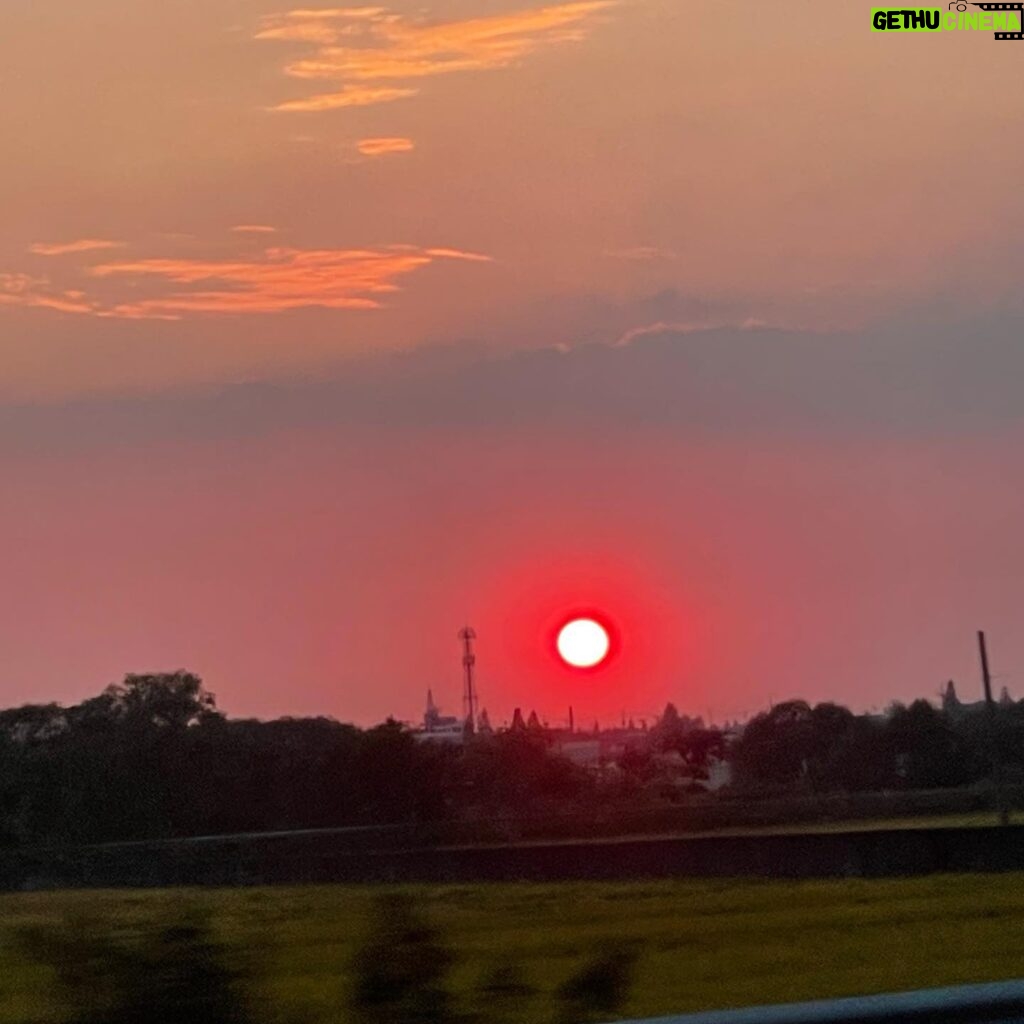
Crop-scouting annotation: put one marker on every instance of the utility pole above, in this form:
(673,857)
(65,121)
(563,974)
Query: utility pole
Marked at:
(997,759)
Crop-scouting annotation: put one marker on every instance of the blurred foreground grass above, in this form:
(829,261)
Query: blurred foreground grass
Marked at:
(703,944)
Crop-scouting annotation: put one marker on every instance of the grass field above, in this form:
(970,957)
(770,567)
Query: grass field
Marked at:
(704,944)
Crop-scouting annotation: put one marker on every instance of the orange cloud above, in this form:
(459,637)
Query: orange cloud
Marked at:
(382,147)
(254,229)
(81,245)
(350,96)
(277,281)
(39,293)
(371,44)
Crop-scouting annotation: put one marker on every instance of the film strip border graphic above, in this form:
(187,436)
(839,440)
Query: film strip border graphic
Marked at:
(1018,7)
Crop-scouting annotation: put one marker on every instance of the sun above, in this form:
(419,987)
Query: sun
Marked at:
(583,643)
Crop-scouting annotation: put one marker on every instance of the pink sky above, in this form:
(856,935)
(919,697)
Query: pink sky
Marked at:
(325,330)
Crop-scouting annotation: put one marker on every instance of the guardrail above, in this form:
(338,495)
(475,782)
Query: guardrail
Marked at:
(996,1003)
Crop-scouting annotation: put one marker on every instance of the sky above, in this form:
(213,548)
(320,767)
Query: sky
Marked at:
(325,331)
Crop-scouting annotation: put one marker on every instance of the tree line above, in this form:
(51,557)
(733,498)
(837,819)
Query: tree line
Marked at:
(153,757)
(826,748)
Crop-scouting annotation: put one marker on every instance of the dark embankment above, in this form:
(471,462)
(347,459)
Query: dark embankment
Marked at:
(325,857)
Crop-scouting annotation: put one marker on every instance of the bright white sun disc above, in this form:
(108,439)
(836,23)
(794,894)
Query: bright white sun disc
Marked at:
(583,643)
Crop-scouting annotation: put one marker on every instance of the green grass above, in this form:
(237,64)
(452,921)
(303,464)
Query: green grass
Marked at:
(705,944)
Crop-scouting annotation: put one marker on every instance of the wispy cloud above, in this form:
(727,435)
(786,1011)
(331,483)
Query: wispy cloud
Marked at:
(679,328)
(384,147)
(278,280)
(355,46)
(79,245)
(254,229)
(458,254)
(642,254)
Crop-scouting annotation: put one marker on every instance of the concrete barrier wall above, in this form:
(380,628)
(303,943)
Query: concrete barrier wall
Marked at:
(283,859)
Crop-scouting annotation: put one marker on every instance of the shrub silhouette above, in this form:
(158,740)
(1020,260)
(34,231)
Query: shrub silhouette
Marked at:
(173,975)
(599,989)
(400,971)
(503,994)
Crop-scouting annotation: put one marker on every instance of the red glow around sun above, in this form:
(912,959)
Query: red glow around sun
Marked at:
(651,639)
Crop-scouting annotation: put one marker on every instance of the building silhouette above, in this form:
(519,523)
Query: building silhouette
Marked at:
(954,707)
(438,727)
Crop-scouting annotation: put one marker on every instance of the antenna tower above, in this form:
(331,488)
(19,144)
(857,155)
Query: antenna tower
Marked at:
(469,697)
